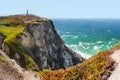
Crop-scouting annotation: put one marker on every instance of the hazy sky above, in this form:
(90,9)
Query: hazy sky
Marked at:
(63,8)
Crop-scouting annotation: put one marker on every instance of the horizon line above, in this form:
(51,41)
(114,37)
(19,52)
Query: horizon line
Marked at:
(84,18)
(65,17)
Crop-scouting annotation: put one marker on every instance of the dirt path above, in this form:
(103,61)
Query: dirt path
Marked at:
(116,73)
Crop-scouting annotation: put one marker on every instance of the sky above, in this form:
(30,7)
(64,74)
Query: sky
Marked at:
(62,8)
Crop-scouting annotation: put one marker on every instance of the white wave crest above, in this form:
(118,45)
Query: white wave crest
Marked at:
(81,44)
(68,32)
(99,42)
(96,47)
(75,48)
(86,56)
(63,36)
(75,36)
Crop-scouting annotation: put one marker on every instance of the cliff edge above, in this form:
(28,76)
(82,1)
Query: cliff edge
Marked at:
(33,42)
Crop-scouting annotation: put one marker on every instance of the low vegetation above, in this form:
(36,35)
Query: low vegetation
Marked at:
(3,59)
(95,68)
(11,27)
(11,32)
(15,20)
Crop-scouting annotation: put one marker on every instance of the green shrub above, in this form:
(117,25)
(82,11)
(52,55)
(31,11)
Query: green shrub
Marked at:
(3,59)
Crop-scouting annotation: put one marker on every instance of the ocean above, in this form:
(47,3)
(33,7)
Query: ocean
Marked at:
(88,36)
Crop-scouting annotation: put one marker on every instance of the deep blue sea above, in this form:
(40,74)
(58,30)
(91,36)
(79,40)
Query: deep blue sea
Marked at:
(88,36)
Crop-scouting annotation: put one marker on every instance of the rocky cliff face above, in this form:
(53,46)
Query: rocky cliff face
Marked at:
(1,39)
(38,43)
(46,47)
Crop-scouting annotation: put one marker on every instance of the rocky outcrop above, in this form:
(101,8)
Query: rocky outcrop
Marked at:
(7,72)
(10,70)
(1,40)
(37,47)
(46,47)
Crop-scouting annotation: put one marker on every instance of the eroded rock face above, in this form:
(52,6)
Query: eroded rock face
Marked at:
(46,47)
(10,70)
(1,40)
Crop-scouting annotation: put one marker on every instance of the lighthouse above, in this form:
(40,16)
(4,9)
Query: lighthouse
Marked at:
(27,12)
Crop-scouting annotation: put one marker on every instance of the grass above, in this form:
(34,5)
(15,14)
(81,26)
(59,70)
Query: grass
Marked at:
(91,69)
(2,59)
(21,19)
(11,34)
(27,61)
(11,27)
(12,20)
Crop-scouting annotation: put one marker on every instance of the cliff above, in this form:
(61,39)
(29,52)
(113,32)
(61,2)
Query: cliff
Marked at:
(31,49)
(46,47)
(33,43)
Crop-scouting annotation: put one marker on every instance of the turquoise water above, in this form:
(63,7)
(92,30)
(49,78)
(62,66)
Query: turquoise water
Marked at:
(88,36)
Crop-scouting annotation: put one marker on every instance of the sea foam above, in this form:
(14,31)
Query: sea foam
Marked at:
(75,48)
